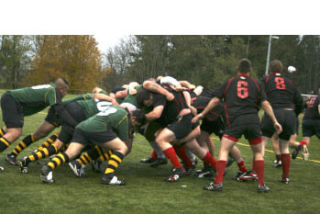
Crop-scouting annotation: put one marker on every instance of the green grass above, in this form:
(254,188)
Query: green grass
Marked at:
(146,192)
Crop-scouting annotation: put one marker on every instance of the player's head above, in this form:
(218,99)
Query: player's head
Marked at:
(144,98)
(276,66)
(62,85)
(244,66)
(137,117)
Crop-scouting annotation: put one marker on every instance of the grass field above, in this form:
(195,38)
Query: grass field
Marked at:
(146,192)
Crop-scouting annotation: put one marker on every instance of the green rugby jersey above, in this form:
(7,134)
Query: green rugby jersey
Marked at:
(114,117)
(36,98)
(131,98)
(94,106)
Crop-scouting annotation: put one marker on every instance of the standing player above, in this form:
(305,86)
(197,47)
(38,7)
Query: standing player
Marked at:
(310,124)
(16,104)
(242,97)
(287,104)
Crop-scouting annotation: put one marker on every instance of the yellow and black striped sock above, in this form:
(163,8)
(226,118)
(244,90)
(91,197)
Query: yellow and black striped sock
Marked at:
(103,156)
(57,160)
(4,143)
(48,142)
(23,144)
(46,152)
(85,158)
(114,162)
(2,132)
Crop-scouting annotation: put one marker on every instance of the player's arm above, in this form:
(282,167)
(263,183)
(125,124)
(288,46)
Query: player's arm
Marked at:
(187,84)
(100,96)
(155,87)
(187,97)
(213,102)
(155,113)
(268,109)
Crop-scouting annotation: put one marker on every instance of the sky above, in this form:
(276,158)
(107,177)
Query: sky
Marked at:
(106,41)
(110,21)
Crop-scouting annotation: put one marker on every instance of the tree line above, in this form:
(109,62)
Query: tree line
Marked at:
(202,59)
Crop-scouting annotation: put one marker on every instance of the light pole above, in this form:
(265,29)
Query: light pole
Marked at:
(269,52)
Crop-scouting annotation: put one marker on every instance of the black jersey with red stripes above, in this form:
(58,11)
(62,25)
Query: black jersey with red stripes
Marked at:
(201,102)
(311,111)
(242,95)
(172,108)
(282,92)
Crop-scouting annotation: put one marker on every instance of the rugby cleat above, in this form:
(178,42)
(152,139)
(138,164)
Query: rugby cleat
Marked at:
(214,187)
(248,176)
(147,160)
(11,159)
(23,165)
(237,176)
(263,188)
(176,174)
(111,180)
(277,163)
(46,175)
(77,169)
(203,173)
(159,161)
(285,180)
(1,169)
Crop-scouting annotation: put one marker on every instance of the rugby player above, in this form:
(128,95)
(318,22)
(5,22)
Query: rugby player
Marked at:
(310,125)
(17,103)
(287,103)
(175,118)
(242,97)
(110,129)
(80,110)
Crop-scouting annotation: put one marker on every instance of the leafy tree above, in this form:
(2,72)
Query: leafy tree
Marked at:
(15,59)
(76,58)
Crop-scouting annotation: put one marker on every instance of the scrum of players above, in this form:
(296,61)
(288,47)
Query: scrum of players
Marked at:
(177,118)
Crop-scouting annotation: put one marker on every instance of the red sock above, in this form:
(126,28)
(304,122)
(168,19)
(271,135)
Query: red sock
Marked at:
(181,152)
(210,160)
(285,159)
(221,165)
(154,154)
(259,168)
(241,166)
(172,156)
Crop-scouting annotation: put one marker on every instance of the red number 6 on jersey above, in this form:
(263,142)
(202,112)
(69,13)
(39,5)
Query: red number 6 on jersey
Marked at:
(242,89)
